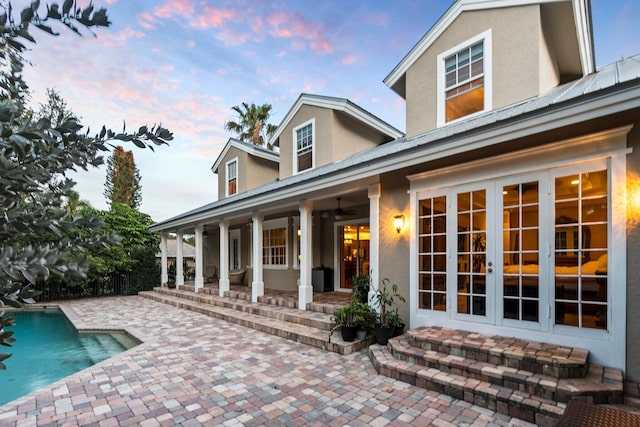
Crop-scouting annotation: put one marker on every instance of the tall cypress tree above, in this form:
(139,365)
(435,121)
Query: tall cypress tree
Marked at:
(123,179)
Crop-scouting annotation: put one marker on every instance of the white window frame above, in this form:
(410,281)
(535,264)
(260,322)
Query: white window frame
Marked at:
(296,242)
(271,225)
(311,122)
(607,347)
(227,179)
(233,235)
(485,37)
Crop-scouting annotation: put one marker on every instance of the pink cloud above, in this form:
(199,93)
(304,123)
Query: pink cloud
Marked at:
(213,17)
(170,8)
(314,86)
(111,40)
(232,38)
(301,30)
(174,7)
(349,59)
(147,20)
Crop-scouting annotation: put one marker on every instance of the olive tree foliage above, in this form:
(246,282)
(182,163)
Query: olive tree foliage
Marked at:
(38,235)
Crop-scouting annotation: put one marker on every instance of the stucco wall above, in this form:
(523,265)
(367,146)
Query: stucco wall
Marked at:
(394,247)
(516,64)
(322,137)
(259,172)
(351,136)
(633,259)
(211,245)
(242,172)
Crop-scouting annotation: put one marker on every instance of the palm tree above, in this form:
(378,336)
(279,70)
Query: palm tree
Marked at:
(74,204)
(252,125)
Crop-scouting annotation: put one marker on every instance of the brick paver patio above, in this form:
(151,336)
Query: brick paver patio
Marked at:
(196,370)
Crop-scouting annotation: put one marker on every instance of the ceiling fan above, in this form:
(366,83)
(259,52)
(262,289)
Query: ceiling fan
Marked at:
(340,213)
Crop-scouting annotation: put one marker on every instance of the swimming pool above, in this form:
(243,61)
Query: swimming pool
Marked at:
(49,348)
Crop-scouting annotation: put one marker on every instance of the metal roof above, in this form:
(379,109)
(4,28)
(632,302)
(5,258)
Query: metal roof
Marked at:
(607,78)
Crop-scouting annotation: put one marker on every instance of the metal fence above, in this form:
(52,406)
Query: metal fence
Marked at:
(111,285)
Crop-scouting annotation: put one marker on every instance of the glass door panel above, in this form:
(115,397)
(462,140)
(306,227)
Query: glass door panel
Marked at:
(354,252)
(472,253)
(432,254)
(581,248)
(520,247)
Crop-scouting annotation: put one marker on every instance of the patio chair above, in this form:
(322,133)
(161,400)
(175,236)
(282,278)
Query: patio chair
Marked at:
(236,277)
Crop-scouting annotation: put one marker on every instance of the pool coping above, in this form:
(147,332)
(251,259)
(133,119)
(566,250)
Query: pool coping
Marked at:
(82,327)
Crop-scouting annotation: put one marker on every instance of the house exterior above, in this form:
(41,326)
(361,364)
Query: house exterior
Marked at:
(511,206)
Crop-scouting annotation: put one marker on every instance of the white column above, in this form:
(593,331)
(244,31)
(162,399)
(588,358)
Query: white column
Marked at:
(224,258)
(374,240)
(164,272)
(305,290)
(257,286)
(179,260)
(199,257)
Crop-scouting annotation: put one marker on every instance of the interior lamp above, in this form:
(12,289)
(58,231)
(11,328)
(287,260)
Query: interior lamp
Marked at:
(398,223)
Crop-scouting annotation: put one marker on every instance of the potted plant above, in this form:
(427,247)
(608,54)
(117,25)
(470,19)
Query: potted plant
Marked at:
(345,319)
(360,290)
(365,318)
(396,321)
(386,297)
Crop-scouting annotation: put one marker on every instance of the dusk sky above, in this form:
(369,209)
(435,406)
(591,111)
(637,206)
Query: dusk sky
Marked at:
(185,63)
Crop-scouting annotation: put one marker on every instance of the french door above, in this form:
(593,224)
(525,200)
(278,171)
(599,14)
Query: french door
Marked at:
(473,254)
(479,252)
(353,247)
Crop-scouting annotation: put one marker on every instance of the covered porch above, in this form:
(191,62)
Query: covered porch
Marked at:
(283,249)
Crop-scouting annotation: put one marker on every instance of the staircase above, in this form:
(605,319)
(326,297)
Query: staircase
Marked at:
(273,314)
(524,379)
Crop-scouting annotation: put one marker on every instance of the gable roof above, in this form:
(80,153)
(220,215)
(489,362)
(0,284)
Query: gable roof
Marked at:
(612,89)
(251,149)
(338,104)
(582,16)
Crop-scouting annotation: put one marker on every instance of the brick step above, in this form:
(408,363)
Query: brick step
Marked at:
(514,403)
(540,358)
(292,331)
(272,300)
(310,319)
(602,385)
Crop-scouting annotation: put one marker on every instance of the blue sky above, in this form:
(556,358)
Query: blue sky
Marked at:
(185,63)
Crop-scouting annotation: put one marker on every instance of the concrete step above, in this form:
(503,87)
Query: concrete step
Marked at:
(307,318)
(514,403)
(286,329)
(540,358)
(601,385)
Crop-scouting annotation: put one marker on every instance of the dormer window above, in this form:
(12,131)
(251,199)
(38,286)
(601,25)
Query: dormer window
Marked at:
(303,135)
(464,79)
(232,177)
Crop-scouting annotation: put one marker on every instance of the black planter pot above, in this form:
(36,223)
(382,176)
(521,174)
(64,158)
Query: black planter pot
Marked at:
(399,330)
(383,334)
(348,333)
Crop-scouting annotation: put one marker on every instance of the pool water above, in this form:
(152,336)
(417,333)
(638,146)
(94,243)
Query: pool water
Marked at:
(48,348)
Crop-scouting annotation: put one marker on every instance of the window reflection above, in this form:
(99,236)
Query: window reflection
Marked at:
(581,248)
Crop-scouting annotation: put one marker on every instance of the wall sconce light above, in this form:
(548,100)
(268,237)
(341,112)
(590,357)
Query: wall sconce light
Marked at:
(398,223)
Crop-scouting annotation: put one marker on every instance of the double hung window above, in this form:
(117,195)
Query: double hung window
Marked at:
(304,147)
(232,177)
